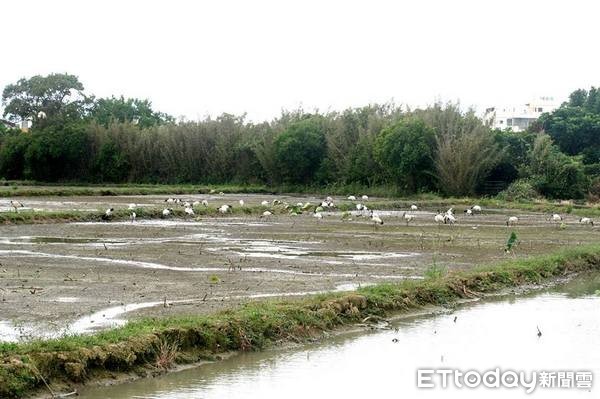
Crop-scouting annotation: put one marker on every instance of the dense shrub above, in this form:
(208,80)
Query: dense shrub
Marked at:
(519,190)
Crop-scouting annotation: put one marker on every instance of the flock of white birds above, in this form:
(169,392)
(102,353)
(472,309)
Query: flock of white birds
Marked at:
(327,204)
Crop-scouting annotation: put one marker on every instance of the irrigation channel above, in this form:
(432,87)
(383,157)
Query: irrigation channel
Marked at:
(483,335)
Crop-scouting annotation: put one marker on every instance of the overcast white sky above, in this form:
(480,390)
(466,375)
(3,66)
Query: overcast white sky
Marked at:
(195,58)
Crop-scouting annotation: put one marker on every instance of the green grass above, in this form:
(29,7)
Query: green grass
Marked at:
(74,359)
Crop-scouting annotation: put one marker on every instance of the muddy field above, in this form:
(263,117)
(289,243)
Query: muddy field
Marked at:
(78,277)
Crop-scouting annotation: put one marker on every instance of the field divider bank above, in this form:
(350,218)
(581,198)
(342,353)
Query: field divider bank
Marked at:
(148,346)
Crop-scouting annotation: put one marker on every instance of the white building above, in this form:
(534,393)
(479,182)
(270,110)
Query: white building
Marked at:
(518,118)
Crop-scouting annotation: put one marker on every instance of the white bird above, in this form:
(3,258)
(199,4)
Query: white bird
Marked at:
(170,200)
(187,205)
(408,217)
(300,204)
(189,211)
(16,205)
(318,215)
(132,217)
(450,211)
(205,202)
(221,193)
(41,115)
(469,212)
(131,206)
(109,212)
(241,202)
(413,207)
(196,203)
(375,218)
(329,199)
(351,198)
(224,208)
(556,218)
(512,221)
(449,219)
(586,221)
(360,207)
(266,214)
(476,208)
(439,218)
(265,203)
(166,212)
(365,197)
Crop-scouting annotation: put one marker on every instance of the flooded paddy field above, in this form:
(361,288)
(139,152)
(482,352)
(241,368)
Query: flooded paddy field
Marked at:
(80,277)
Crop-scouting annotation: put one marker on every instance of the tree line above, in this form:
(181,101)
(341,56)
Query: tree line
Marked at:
(76,137)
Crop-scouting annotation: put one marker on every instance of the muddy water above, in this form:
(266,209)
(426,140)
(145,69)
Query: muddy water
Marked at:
(495,333)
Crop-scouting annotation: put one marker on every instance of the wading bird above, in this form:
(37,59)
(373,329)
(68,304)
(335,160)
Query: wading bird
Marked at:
(439,218)
(512,221)
(376,219)
(586,221)
(132,217)
(351,198)
(408,217)
(108,214)
(189,211)
(413,207)
(205,202)
(225,208)
(556,218)
(167,212)
(365,197)
(241,202)
(449,218)
(16,205)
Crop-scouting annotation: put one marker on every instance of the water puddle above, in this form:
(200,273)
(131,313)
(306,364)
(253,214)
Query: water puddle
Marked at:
(158,266)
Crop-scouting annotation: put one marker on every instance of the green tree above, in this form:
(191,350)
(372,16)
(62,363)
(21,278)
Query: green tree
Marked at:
(575,126)
(107,110)
(58,96)
(12,155)
(300,149)
(404,150)
(466,151)
(553,173)
(57,153)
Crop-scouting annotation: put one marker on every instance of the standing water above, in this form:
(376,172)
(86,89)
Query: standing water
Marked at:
(500,333)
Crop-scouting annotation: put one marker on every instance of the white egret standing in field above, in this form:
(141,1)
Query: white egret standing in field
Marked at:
(586,221)
(512,221)
(16,205)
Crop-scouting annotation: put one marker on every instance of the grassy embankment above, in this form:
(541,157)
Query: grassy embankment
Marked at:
(151,345)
